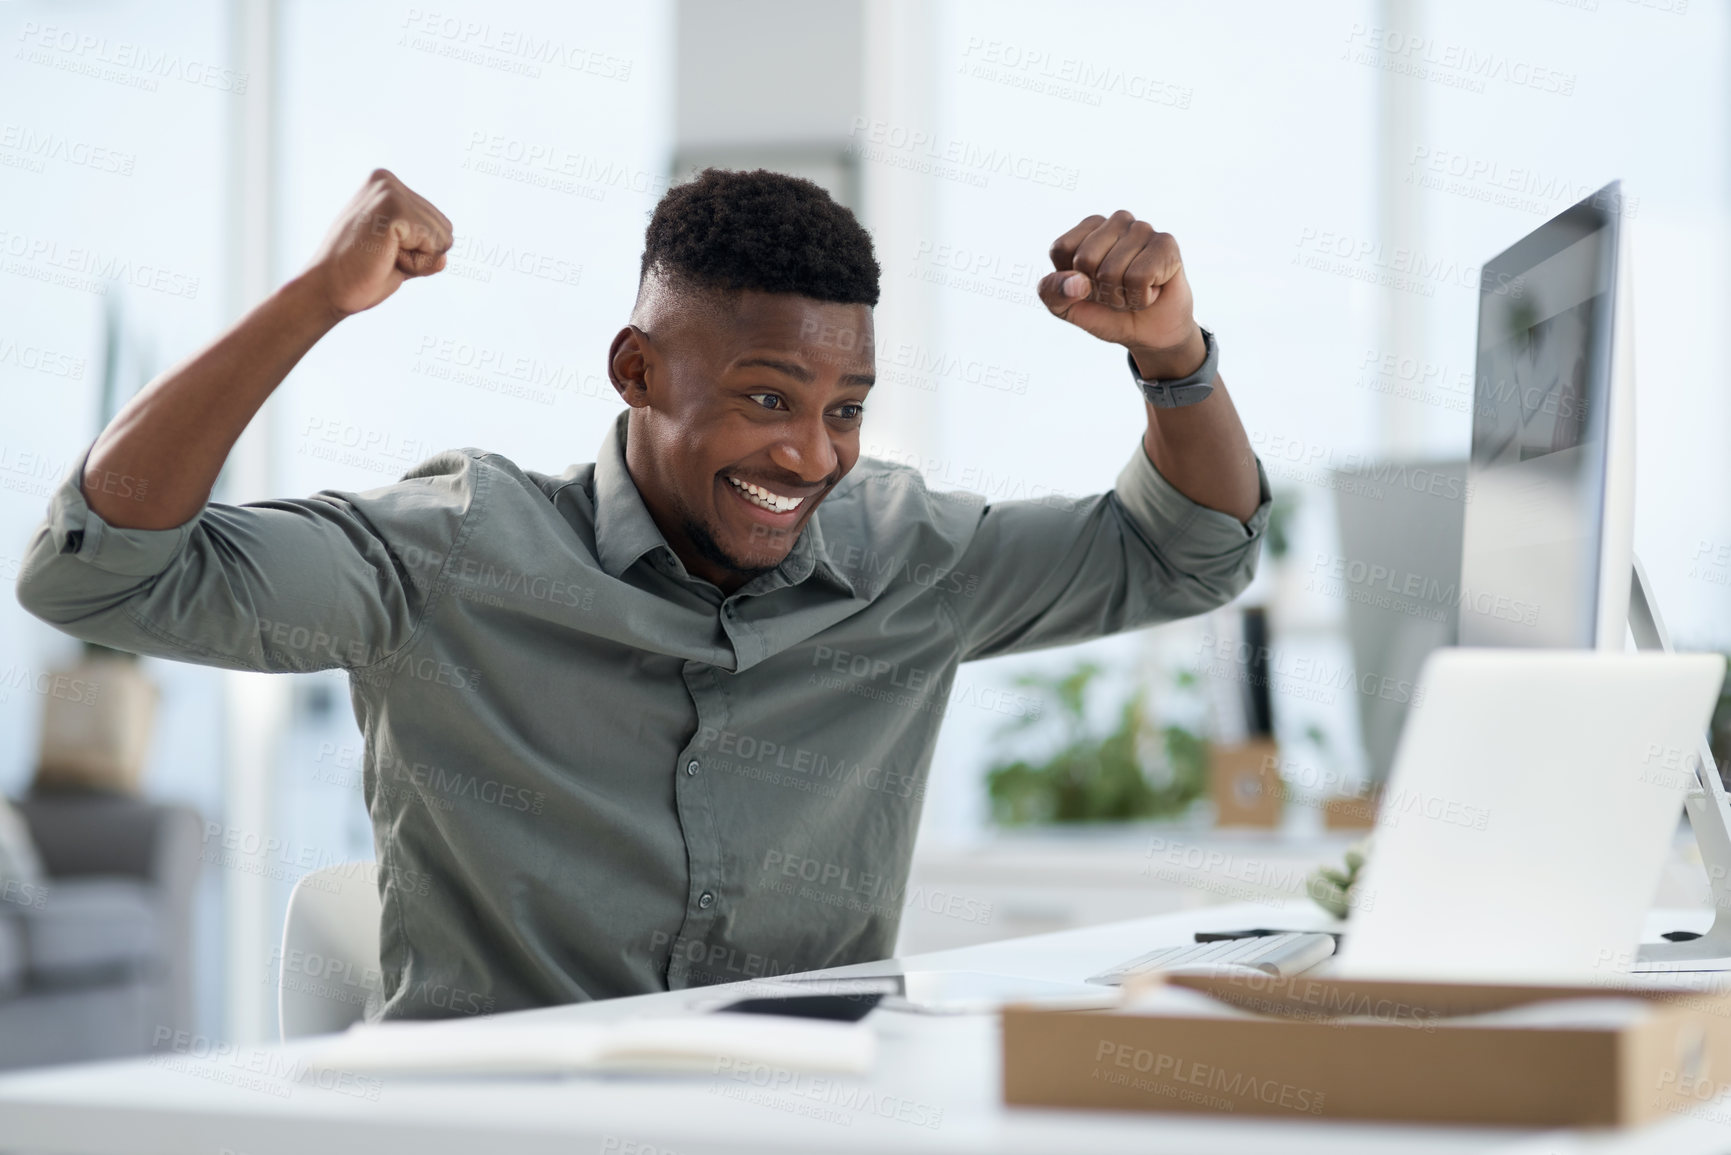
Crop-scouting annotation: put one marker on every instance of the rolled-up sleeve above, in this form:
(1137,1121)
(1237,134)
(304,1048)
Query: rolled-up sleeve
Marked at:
(1051,572)
(334,580)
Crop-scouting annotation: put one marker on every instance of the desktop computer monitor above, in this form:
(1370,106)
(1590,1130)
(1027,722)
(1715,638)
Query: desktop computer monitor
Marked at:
(1538,556)
(1547,557)
(1546,548)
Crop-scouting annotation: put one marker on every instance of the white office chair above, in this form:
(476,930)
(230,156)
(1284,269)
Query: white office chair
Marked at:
(330,950)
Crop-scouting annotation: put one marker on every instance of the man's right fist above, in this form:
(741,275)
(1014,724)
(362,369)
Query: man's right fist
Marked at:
(387,234)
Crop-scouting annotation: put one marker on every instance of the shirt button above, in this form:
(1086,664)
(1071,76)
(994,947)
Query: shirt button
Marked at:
(705,900)
(691,767)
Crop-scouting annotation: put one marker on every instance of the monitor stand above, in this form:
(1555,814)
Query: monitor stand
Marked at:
(1709,817)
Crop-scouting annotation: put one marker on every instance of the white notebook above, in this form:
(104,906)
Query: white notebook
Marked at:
(700,1043)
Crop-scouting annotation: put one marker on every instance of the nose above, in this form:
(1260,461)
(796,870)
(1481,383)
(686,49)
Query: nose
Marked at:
(806,451)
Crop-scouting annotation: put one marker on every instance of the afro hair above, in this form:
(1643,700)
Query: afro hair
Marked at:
(762,230)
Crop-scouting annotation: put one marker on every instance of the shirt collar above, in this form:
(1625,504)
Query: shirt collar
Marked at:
(821,565)
(624,531)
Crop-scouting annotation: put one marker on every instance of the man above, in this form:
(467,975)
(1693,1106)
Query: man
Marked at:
(664,719)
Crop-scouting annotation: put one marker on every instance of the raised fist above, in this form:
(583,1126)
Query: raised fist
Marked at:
(385,235)
(1123,281)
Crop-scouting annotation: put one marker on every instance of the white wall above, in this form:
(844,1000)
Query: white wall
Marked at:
(112,137)
(1232,127)
(111,174)
(1650,88)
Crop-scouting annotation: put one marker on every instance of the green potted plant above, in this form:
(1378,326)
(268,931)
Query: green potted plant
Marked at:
(1094,776)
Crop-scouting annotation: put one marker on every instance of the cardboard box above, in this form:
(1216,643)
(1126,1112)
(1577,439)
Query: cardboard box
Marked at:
(1244,779)
(1405,1063)
(1351,811)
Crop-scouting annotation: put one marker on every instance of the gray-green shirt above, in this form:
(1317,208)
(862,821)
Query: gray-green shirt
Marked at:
(591,774)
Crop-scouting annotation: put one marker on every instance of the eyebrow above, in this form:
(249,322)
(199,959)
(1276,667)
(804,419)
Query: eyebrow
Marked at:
(801,374)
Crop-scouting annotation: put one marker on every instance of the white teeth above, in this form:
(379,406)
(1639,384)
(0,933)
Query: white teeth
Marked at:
(758,495)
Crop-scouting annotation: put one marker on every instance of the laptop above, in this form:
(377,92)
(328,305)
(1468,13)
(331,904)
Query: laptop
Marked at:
(1534,797)
(1532,802)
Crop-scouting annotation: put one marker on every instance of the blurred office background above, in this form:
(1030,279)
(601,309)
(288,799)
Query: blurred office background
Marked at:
(1335,172)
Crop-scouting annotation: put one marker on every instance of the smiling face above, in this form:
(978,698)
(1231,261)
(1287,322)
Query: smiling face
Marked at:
(746,412)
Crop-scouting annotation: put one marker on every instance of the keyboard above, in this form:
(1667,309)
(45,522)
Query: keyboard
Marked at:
(1280,955)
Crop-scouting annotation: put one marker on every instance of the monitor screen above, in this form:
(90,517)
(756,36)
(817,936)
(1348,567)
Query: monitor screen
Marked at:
(1534,522)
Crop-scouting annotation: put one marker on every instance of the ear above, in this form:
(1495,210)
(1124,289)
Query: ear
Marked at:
(628,365)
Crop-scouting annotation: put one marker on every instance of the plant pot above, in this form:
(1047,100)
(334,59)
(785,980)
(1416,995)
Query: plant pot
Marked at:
(97,720)
(1244,779)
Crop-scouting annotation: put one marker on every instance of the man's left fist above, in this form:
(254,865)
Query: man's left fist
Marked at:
(1122,280)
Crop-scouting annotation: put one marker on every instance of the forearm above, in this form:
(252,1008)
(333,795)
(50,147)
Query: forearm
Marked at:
(1201,449)
(155,464)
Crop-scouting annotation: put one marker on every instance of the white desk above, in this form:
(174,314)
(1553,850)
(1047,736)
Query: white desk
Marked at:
(940,1069)
(1037,881)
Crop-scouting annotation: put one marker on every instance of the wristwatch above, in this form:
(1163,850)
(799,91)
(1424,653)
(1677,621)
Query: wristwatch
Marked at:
(1181,391)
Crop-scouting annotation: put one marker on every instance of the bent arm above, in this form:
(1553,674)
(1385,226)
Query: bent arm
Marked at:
(132,556)
(336,580)
(156,463)
(1201,449)
(1122,280)
(1054,572)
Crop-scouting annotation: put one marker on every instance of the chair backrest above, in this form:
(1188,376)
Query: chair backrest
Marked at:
(330,950)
